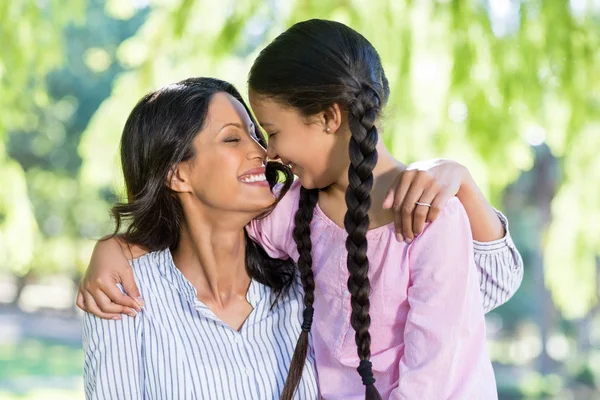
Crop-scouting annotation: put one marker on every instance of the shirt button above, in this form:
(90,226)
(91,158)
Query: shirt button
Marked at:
(238,339)
(248,371)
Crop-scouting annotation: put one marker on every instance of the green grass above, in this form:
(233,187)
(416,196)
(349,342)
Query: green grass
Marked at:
(45,370)
(44,394)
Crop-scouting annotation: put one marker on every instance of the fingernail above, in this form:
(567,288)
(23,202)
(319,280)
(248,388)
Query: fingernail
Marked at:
(399,237)
(117,318)
(140,301)
(132,313)
(408,240)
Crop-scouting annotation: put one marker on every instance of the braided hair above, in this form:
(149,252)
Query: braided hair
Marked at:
(310,67)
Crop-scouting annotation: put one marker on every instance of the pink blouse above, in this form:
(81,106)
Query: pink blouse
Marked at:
(427,330)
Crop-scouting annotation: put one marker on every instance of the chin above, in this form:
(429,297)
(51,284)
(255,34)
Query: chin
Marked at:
(261,203)
(308,183)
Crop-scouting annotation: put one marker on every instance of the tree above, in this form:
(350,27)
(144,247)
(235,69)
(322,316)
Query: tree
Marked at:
(32,42)
(50,215)
(475,80)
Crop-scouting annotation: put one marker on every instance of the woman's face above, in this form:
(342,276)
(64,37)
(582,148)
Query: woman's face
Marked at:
(317,157)
(227,172)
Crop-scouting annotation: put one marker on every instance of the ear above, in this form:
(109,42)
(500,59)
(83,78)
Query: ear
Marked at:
(331,118)
(178,179)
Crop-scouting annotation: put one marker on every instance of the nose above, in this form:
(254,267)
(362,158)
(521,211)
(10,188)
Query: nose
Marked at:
(256,151)
(271,153)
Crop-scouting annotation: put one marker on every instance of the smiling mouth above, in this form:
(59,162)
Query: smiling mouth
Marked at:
(253,178)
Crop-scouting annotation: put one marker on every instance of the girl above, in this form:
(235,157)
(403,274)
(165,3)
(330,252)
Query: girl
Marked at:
(222,317)
(410,319)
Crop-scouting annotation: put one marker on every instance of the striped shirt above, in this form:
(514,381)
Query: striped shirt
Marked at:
(500,268)
(176,348)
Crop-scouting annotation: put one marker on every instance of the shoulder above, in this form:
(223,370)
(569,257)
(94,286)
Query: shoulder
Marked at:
(450,228)
(284,210)
(153,258)
(290,199)
(451,217)
(148,268)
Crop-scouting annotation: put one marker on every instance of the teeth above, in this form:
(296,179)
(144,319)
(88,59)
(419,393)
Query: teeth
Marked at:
(254,178)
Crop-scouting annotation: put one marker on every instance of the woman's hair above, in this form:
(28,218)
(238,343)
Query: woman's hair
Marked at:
(158,135)
(310,67)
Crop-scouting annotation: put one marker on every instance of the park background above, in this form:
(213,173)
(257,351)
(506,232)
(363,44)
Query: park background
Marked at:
(510,88)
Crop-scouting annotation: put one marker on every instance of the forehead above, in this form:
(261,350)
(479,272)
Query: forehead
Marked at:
(269,110)
(223,109)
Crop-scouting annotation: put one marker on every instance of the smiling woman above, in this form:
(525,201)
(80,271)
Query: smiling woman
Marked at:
(221,317)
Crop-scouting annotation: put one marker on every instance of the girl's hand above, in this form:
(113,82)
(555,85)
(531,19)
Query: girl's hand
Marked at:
(98,290)
(431,182)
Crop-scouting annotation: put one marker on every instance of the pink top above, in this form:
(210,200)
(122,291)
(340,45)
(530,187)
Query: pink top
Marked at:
(427,322)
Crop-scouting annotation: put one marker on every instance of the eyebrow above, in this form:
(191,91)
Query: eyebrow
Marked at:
(237,125)
(251,128)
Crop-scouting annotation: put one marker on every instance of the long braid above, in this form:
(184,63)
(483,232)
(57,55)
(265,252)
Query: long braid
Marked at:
(363,112)
(301,234)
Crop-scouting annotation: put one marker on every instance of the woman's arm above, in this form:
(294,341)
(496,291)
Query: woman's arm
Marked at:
(434,182)
(113,359)
(500,268)
(445,343)
(498,261)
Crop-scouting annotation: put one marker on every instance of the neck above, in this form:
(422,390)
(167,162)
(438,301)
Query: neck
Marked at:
(211,255)
(384,173)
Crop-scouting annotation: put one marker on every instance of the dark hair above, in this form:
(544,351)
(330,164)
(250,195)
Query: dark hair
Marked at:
(310,67)
(157,136)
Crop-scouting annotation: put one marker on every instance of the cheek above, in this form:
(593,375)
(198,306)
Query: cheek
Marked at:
(216,176)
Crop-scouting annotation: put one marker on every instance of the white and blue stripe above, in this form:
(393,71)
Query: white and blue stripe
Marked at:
(500,268)
(176,348)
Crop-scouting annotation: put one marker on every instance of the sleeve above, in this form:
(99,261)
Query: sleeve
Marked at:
(113,356)
(500,268)
(274,232)
(444,333)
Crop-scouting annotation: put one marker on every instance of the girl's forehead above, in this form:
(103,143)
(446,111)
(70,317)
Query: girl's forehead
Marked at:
(269,111)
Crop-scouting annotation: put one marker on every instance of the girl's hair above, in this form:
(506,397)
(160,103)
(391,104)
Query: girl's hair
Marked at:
(310,67)
(157,136)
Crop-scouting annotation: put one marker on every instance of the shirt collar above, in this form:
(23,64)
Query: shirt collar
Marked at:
(257,292)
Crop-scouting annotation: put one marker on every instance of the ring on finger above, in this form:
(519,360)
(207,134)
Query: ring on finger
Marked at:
(422,204)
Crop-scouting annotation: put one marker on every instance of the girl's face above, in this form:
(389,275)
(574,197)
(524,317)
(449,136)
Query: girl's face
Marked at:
(227,171)
(318,157)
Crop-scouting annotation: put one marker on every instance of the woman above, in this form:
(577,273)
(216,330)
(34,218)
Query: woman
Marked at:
(221,317)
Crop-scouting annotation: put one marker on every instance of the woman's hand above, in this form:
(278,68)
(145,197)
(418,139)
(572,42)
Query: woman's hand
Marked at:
(98,290)
(431,182)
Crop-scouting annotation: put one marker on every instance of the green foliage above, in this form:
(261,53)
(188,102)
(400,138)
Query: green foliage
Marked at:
(469,81)
(46,214)
(31,37)
(464,85)
(31,46)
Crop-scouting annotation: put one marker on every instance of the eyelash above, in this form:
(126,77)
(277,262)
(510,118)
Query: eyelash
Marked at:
(232,140)
(270,135)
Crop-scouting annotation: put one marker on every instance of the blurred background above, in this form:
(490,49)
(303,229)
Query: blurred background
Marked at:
(510,88)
